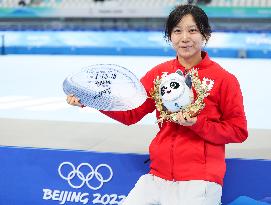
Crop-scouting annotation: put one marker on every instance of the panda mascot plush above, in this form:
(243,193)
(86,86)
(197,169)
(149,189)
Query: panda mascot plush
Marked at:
(176,91)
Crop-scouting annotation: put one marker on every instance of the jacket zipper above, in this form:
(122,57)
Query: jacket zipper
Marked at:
(172,157)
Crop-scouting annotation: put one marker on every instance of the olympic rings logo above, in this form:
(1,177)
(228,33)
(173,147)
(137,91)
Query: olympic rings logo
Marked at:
(76,172)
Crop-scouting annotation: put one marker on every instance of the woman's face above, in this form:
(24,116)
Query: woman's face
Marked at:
(186,38)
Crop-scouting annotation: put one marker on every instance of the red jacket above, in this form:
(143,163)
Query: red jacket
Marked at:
(194,152)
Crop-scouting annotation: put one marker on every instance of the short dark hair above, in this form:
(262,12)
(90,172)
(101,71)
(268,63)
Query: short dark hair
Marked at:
(198,14)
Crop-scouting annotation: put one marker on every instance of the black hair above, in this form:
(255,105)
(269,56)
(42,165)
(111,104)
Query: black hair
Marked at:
(198,14)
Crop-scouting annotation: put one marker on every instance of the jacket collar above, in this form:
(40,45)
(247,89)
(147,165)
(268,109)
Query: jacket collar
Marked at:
(204,63)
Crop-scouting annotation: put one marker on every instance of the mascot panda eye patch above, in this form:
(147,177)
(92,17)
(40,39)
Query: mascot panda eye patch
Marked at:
(174,85)
(163,88)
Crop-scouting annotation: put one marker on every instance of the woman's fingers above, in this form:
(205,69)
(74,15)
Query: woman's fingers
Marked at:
(188,121)
(72,100)
(180,118)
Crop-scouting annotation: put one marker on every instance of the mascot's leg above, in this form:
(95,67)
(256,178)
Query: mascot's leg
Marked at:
(145,192)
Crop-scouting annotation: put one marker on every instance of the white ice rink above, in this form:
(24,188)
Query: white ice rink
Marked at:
(34,113)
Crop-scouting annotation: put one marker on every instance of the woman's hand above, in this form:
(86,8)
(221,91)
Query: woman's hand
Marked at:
(73,101)
(189,121)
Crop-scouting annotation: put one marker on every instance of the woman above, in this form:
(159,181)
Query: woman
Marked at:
(188,154)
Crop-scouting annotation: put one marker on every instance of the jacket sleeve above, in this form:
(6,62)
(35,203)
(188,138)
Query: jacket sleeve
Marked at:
(232,126)
(130,117)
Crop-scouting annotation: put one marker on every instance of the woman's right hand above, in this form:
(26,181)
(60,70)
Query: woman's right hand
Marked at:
(72,100)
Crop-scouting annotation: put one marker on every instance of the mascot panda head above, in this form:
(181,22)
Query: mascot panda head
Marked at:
(176,91)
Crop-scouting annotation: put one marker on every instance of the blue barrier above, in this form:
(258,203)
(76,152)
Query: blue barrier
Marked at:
(2,41)
(139,43)
(40,176)
(247,178)
(46,176)
(244,200)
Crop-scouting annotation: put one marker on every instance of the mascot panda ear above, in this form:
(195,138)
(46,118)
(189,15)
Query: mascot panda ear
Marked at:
(188,81)
(179,72)
(164,108)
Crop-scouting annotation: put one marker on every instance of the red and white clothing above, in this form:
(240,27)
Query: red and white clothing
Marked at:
(183,153)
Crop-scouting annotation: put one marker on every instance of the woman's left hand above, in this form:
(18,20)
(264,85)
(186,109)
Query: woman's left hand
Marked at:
(189,121)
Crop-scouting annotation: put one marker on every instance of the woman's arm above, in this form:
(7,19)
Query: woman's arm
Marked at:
(232,127)
(130,117)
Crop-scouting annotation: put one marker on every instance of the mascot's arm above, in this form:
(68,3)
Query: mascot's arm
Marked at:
(232,126)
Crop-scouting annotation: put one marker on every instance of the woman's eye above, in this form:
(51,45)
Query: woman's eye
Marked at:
(193,30)
(177,31)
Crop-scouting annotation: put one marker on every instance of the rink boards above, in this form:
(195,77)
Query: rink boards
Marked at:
(105,169)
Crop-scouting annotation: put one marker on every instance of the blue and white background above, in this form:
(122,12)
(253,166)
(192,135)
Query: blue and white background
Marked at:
(142,43)
(52,153)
